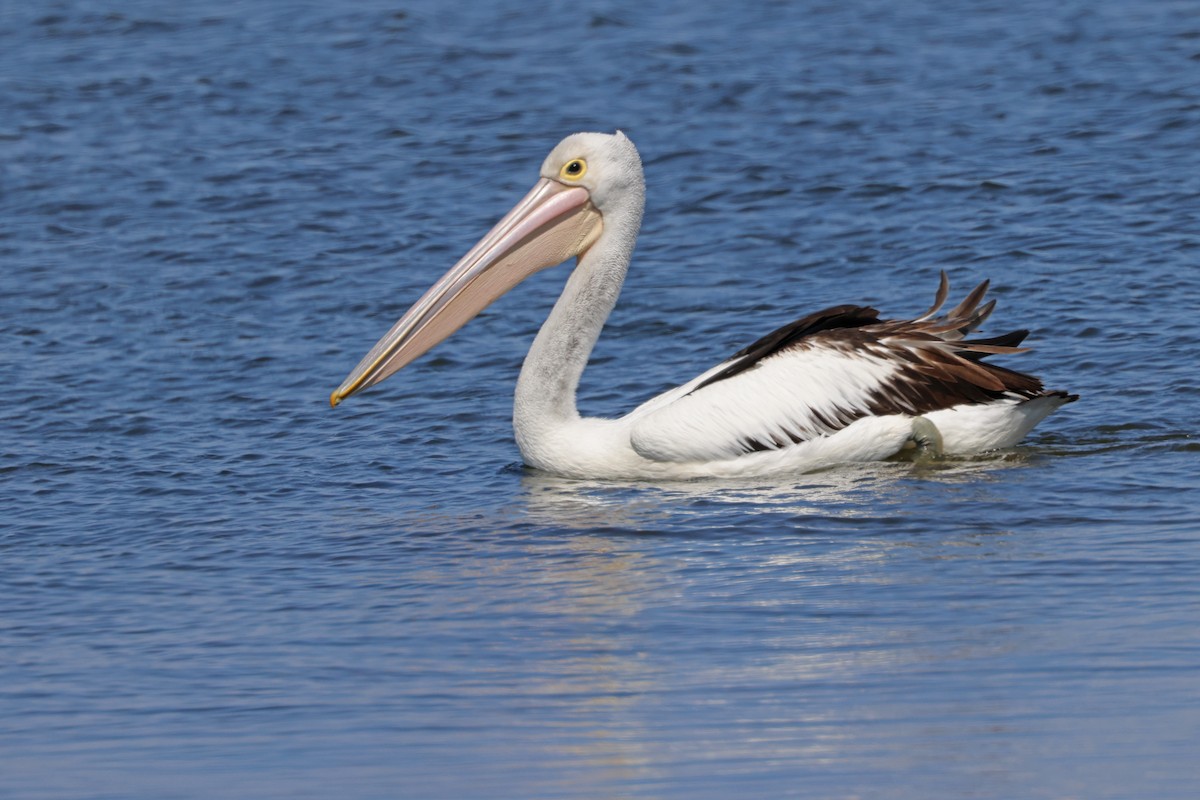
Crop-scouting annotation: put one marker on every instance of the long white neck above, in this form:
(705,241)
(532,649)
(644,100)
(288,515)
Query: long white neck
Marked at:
(545,395)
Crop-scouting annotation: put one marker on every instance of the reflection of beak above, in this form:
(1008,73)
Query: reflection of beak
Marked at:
(550,225)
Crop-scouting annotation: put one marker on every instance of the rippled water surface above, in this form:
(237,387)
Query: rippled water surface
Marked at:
(213,585)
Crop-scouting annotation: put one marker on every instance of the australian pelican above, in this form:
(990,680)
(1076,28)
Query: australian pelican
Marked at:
(836,386)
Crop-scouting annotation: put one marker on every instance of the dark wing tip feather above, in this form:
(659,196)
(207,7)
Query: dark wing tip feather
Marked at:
(1012,340)
(979,349)
(939,299)
(981,315)
(969,302)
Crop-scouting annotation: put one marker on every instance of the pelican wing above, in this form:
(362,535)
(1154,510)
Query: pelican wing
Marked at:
(820,373)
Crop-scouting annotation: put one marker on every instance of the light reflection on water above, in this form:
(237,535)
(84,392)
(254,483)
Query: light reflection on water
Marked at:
(848,491)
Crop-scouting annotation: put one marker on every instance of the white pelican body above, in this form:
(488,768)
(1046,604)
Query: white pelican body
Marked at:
(833,387)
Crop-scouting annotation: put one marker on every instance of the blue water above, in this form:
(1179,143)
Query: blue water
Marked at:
(213,585)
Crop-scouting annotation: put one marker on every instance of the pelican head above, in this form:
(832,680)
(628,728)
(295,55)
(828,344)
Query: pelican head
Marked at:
(585,176)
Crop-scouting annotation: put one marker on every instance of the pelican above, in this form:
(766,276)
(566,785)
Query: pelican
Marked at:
(836,386)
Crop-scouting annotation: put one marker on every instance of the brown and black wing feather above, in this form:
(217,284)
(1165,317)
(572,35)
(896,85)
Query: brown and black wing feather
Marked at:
(819,374)
(936,366)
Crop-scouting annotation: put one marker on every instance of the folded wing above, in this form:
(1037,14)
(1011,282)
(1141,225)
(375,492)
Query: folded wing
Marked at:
(820,373)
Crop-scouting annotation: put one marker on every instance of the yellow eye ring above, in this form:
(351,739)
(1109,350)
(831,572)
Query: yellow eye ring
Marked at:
(574,169)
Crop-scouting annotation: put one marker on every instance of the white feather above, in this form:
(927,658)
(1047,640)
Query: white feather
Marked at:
(969,429)
(781,398)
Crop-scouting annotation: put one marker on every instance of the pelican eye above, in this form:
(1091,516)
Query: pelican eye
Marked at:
(574,169)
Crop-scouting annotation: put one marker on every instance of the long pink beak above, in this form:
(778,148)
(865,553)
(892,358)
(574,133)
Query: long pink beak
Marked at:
(550,225)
